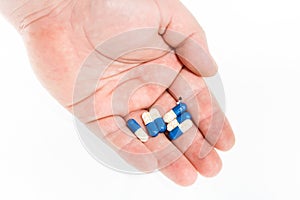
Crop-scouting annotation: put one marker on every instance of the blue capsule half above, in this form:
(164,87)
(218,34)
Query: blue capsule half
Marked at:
(180,108)
(175,133)
(137,130)
(158,120)
(160,124)
(133,125)
(152,129)
(183,116)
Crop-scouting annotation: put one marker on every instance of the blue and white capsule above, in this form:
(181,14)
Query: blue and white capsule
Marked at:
(137,130)
(150,124)
(158,120)
(175,112)
(180,129)
(181,118)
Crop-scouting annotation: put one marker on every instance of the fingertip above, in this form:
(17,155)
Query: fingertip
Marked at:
(181,172)
(211,165)
(188,180)
(212,71)
(227,145)
(227,138)
(197,59)
(136,154)
(187,176)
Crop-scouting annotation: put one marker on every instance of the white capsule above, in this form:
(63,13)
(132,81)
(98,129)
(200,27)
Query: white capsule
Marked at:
(173,124)
(169,116)
(181,129)
(154,113)
(146,116)
(142,135)
(186,125)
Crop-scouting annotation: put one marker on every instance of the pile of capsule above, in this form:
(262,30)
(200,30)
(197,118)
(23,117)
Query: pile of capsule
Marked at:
(175,122)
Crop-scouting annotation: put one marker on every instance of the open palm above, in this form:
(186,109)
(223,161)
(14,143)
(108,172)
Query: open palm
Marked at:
(108,61)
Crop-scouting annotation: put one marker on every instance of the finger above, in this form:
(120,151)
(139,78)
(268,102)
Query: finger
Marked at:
(113,130)
(170,160)
(181,172)
(200,153)
(206,112)
(183,33)
(192,143)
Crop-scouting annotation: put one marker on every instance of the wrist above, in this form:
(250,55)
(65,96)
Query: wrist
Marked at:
(22,13)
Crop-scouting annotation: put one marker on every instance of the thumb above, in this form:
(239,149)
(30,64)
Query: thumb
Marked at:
(182,32)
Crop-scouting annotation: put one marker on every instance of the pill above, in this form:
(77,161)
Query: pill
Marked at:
(175,112)
(180,129)
(137,130)
(150,125)
(173,124)
(158,120)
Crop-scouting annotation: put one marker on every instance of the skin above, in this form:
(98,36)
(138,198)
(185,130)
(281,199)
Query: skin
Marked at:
(110,60)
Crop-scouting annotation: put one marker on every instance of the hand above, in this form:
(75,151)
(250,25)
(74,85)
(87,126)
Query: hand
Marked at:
(110,60)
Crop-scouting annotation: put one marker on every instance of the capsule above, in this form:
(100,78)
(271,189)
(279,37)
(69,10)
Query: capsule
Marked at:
(158,120)
(180,129)
(173,124)
(175,112)
(137,130)
(150,125)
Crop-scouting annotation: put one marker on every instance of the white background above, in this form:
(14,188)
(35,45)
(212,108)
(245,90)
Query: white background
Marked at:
(257,46)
